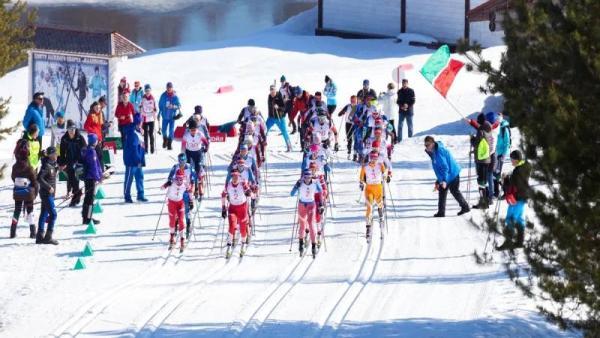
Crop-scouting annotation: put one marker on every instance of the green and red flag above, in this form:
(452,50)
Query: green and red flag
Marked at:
(440,70)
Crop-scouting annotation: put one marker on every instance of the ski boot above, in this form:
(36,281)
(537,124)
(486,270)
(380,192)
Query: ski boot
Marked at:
(164,145)
(96,222)
(368,235)
(319,239)
(13,228)
(242,249)
(187,231)
(182,245)
(381,221)
(48,238)
(172,242)
(229,251)
(314,250)
(301,246)
(354,158)
(349,156)
(169,144)
(483,200)
(32,231)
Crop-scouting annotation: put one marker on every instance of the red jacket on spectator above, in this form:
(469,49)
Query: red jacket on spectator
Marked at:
(124,113)
(93,124)
(300,105)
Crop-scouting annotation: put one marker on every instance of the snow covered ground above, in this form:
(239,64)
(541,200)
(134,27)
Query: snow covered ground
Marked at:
(421,281)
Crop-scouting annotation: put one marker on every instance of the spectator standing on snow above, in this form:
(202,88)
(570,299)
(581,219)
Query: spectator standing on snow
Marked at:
(447,173)
(388,100)
(406,101)
(134,160)
(35,115)
(71,145)
(517,193)
(124,113)
(149,115)
(287,94)
(502,149)
(123,86)
(94,125)
(168,107)
(330,91)
(136,96)
(58,130)
(47,182)
(25,187)
(31,136)
(92,175)
(276,115)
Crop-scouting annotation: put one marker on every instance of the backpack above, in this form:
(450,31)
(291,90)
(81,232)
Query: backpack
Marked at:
(21,151)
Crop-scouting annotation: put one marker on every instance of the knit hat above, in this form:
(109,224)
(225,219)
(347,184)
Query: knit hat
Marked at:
(71,124)
(59,114)
(365,82)
(327,78)
(198,109)
(147,86)
(169,85)
(491,117)
(282,78)
(50,150)
(480,118)
(251,102)
(516,155)
(92,139)
(192,124)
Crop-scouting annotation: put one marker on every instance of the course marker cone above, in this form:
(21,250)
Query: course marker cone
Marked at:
(79,265)
(91,229)
(100,195)
(97,208)
(87,250)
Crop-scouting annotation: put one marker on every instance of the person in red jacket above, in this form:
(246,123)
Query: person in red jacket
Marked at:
(93,125)
(124,113)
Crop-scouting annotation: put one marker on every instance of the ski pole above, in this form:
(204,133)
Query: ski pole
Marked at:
(331,193)
(159,216)
(221,225)
(295,223)
(392,199)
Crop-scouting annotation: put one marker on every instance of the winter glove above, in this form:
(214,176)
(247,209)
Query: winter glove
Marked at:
(166,185)
(362,186)
(248,193)
(388,179)
(436,186)
(191,204)
(178,116)
(223,212)
(336,147)
(321,209)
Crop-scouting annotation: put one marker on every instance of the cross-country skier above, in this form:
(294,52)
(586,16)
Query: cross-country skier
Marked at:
(348,115)
(300,104)
(307,188)
(372,176)
(322,126)
(195,145)
(276,115)
(234,205)
(191,180)
(175,193)
(320,198)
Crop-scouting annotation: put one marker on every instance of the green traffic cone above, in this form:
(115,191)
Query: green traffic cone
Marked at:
(97,208)
(79,265)
(87,250)
(91,229)
(100,195)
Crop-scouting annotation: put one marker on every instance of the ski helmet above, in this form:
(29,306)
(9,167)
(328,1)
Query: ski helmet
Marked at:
(376,144)
(182,158)
(306,174)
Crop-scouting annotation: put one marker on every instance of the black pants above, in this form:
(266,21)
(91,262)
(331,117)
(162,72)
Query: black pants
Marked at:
(349,136)
(454,188)
(19,206)
(100,155)
(88,200)
(72,181)
(482,173)
(394,134)
(149,133)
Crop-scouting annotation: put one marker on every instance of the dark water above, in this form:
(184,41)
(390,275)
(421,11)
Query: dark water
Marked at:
(199,22)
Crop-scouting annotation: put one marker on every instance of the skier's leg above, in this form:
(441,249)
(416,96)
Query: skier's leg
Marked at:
(302,219)
(233,221)
(311,222)
(454,188)
(242,216)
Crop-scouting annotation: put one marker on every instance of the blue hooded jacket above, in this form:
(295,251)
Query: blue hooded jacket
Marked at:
(133,151)
(503,144)
(444,165)
(91,164)
(168,113)
(35,114)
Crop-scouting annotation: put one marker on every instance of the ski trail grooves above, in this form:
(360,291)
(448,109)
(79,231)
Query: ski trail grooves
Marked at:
(328,327)
(87,313)
(261,320)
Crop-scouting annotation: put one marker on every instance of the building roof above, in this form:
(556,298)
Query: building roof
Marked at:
(81,42)
(482,12)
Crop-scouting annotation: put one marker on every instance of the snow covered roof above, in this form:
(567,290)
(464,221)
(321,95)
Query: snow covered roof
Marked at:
(82,42)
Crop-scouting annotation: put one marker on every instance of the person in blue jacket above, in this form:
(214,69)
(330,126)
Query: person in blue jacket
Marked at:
(35,115)
(134,159)
(502,150)
(447,173)
(168,107)
(330,91)
(92,175)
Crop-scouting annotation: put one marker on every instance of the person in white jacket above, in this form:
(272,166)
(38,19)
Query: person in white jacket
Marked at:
(388,103)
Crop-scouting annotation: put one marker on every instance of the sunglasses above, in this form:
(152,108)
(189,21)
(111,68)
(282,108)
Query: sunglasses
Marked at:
(40,99)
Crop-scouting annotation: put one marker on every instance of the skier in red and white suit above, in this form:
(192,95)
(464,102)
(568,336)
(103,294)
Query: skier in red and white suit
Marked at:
(176,205)
(234,201)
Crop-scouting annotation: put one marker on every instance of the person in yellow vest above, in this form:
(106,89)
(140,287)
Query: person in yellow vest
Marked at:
(372,175)
(31,135)
(481,146)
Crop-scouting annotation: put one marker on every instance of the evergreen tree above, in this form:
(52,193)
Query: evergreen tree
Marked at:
(16,32)
(550,79)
